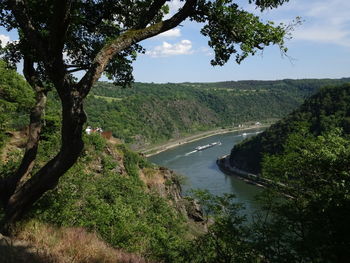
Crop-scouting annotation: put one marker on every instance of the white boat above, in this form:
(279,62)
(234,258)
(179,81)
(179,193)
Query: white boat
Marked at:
(203,147)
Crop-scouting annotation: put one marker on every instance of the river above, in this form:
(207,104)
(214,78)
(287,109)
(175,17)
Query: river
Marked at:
(200,169)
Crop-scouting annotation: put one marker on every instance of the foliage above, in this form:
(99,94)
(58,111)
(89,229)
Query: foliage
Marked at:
(153,113)
(95,26)
(116,206)
(312,224)
(310,227)
(326,110)
(12,88)
(14,106)
(58,38)
(133,161)
(304,217)
(227,238)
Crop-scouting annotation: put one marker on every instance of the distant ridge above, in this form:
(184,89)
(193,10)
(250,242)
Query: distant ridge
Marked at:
(152,113)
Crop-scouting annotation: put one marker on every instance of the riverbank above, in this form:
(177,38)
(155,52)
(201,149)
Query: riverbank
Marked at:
(175,143)
(223,163)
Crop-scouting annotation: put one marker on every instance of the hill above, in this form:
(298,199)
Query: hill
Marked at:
(113,192)
(324,111)
(152,113)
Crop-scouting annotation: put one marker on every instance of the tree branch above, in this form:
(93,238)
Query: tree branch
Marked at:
(58,31)
(31,75)
(48,50)
(59,26)
(127,39)
(77,69)
(19,10)
(147,16)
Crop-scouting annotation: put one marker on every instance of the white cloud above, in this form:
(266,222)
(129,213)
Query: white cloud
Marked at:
(184,47)
(326,34)
(175,32)
(324,21)
(4,40)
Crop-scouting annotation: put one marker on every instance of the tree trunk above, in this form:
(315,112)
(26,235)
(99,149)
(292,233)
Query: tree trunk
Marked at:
(31,150)
(26,194)
(35,124)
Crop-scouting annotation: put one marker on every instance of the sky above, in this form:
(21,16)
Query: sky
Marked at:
(319,48)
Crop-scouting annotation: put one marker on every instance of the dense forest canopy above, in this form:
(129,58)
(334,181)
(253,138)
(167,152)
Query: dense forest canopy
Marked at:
(326,110)
(151,113)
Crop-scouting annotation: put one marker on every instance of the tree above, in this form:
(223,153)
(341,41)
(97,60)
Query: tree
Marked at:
(60,37)
(311,225)
(228,238)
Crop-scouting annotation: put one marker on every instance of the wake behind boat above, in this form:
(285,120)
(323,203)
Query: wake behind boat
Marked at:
(204,147)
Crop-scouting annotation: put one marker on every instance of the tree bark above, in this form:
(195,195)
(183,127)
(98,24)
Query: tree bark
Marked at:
(34,129)
(31,150)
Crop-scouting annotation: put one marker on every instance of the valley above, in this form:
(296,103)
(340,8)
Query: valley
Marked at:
(148,114)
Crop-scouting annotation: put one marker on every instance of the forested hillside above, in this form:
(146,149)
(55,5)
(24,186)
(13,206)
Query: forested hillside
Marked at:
(321,113)
(150,113)
(133,205)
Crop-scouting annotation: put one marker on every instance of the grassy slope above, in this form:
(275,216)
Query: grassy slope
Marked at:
(38,242)
(115,193)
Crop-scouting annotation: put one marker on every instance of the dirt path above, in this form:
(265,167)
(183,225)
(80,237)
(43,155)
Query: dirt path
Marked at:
(175,143)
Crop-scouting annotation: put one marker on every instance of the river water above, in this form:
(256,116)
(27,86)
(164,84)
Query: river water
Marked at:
(200,169)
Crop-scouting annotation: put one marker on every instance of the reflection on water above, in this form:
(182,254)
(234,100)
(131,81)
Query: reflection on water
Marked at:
(201,171)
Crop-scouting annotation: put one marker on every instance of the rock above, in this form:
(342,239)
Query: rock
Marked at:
(194,211)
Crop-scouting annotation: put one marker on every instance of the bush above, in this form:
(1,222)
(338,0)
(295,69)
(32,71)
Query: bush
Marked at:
(116,206)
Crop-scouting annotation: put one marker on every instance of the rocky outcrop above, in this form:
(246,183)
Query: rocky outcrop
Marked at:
(167,183)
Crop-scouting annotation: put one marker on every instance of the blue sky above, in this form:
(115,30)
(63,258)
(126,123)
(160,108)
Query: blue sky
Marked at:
(320,48)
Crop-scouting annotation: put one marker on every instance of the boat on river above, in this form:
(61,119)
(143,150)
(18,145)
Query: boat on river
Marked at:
(204,147)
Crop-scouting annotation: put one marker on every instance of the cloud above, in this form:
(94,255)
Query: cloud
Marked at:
(324,21)
(172,33)
(327,22)
(4,40)
(326,34)
(184,47)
